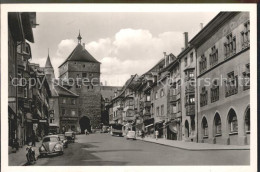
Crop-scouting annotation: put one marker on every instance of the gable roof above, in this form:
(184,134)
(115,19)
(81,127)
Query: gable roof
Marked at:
(80,54)
(64,92)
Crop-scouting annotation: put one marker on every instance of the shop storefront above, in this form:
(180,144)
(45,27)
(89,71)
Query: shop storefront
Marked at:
(149,127)
(159,126)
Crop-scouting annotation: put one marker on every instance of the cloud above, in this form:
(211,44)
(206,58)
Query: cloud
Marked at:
(65,47)
(128,52)
(132,51)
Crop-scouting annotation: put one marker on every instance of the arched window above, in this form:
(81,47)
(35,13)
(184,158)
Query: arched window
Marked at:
(247,120)
(204,127)
(217,124)
(232,121)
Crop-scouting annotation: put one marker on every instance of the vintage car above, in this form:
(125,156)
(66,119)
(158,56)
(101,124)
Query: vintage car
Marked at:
(131,135)
(64,140)
(51,145)
(70,136)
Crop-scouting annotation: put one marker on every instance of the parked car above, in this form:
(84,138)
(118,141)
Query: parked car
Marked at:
(131,135)
(105,129)
(70,136)
(51,145)
(63,140)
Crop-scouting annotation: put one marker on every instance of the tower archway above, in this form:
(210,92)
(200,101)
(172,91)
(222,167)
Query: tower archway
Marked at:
(84,123)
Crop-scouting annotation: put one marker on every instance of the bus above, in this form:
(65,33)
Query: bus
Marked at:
(116,129)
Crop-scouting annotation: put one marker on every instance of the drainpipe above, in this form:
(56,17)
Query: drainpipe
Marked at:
(180,71)
(196,90)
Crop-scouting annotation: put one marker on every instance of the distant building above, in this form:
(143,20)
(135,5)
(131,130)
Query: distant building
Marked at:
(84,70)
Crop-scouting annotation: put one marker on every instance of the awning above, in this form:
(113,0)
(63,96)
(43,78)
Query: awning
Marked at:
(162,121)
(39,113)
(173,127)
(53,125)
(149,121)
(149,125)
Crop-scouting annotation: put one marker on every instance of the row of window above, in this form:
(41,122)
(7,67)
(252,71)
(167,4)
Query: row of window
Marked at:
(157,94)
(232,123)
(85,75)
(229,48)
(72,101)
(231,87)
(186,59)
(64,112)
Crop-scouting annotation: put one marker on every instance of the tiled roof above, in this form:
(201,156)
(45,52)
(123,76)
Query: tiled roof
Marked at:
(80,54)
(64,92)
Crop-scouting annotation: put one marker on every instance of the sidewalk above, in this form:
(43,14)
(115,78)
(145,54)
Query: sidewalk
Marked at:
(19,158)
(194,146)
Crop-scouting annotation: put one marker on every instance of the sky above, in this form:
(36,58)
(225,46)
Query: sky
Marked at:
(124,43)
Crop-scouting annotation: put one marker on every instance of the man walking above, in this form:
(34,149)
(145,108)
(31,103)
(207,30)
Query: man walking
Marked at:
(156,134)
(33,139)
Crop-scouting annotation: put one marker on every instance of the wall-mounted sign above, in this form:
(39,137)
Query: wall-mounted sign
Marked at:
(43,120)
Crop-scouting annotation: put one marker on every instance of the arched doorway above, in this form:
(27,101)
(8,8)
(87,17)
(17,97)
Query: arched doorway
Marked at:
(205,132)
(186,129)
(232,121)
(217,125)
(247,120)
(84,123)
(247,125)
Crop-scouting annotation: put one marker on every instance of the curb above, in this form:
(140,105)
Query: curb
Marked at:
(191,149)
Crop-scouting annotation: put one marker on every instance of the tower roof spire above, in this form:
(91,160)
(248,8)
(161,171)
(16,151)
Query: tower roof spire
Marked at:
(79,38)
(48,61)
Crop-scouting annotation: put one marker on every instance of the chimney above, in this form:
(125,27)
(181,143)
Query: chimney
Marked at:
(185,39)
(84,45)
(201,26)
(165,59)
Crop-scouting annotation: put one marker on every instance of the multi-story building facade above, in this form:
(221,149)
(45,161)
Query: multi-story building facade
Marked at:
(187,91)
(207,95)
(223,72)
(54,113)
(19,103)
(41,94)
(174,110)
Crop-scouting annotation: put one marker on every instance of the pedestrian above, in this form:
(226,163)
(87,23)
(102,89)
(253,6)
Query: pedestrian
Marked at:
(33,139)
(156,134)
(142,134)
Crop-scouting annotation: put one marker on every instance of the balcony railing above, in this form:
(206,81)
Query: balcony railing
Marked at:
(190,109)
(189,89)
(175,115)
(21,63)
(173,98)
